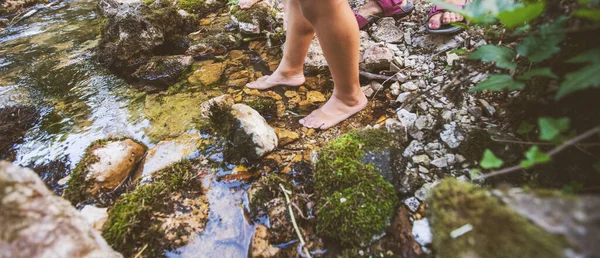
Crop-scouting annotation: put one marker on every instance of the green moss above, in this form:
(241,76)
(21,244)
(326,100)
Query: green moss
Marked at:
(354,202)
(257,11)
(266,107)
(497,231)
(266,189)
(132,222)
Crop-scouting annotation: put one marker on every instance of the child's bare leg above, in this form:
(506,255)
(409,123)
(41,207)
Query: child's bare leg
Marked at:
(245,4)
(291,68)
(336,29)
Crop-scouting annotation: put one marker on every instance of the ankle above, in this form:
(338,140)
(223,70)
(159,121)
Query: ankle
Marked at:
(287,72)
(350,99)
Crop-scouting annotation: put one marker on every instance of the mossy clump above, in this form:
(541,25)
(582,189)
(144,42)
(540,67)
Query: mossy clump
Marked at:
(497,230)
(200,7)
(266,107)
(266,189)
(221,118)
(354,202)
(133,225)
(475,144)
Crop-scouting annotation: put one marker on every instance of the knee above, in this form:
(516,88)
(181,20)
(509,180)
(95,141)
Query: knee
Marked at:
(311,9)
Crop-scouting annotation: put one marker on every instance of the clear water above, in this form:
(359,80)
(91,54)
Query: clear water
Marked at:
(47,60)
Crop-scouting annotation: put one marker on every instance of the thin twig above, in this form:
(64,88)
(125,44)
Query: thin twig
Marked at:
(550,153)
(287,200)
(585,144)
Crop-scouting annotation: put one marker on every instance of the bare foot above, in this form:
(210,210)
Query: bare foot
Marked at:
(436,21)
(245,4)
(334,111)
(277,79)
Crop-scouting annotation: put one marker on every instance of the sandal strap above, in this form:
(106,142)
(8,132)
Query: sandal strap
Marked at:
(362,21)
(437,9)
(390,7)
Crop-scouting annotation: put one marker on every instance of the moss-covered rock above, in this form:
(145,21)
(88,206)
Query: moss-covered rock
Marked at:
(104,166)
(266,107)
(497,230)
(147,220)
(264,190)
(255,19)
(354,202)
(200,7)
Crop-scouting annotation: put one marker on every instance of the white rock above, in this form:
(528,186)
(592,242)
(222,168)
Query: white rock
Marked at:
(115,161)
(413,148)
(440,162)
(401,77)
(409,86)
(255,128)
(421,159)
(412,203)
(451,135)
(376,86)
(422,169)
(403,96)
(422,232)
(407,118)
(424,191)
(425,122)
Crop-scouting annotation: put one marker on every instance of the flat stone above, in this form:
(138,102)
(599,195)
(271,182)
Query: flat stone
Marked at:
(163,70)
(421,159)
(286,136)
(377,57)
(385,30)
(425,122)
(407,118)
(422,232)
(413,148)
(403,97)
(409,86)
(412,204)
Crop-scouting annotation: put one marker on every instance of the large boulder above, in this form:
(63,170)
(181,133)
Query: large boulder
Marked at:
(134,32)
(105,166)
(256,19)
(37,223)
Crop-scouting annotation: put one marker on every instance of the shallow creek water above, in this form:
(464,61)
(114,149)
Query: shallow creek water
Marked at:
(47,61)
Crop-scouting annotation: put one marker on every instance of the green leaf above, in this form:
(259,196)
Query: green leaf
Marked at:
(521,15)
(533,157)
(540,72)
(497,82)
(550,128)
(539,47)
(588,76)
(590,14)
(474,173)
(502,56)
(490,160)
(525,128)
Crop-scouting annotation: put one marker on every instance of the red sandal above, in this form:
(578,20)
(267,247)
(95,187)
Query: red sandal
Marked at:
(444,28)
(391,8)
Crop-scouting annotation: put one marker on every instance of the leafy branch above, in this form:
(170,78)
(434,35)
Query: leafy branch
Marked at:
(551,153)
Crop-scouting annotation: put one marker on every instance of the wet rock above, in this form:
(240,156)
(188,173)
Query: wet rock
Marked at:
(214,44)
(452,135)
(14,123)
(104,166)
(422,232)
(315,97)
(574,217)
(95,216)
(412,203)
(286,136)
(208,74)
(133,33)
(163,70)
(253,133)
(385,30)
(377,57)
(166,153)
(37,223)
(254,20)
(224,99)
(259,245)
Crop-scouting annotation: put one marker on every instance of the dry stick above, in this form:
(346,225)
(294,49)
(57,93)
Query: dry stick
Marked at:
(287,200)
(550,153)
(373,76)
(585,144)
